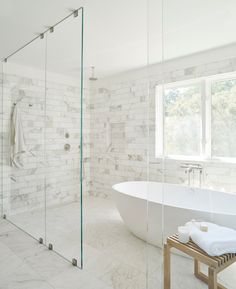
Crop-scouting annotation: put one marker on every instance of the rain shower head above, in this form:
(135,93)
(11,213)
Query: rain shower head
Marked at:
(92,77)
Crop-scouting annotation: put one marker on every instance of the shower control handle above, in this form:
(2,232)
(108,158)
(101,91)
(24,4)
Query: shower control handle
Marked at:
(67,147)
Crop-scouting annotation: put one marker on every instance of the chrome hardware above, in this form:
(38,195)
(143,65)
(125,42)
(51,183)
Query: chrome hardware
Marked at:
(76,13)
(40,240)
(190,169)
(67,147)
(74,262)
(50,247)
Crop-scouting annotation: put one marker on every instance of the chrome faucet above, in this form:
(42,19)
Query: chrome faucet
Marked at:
(190,169)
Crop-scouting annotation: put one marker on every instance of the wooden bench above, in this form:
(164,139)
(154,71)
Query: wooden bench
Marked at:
(215,264)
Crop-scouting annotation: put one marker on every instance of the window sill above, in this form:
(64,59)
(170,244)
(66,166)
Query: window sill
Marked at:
(179,158)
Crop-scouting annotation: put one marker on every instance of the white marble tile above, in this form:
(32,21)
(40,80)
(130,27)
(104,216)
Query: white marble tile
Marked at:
(75,278)
(26,264)
(113,257)
(136,253)
(116,274)
(16,274)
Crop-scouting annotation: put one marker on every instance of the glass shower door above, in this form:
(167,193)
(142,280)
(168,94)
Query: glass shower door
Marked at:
(1,140)
(195,125)
(63,138)
(23,138)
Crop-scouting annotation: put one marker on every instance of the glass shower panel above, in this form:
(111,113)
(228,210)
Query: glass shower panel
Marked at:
(63,138)
(1,139)
(220,174)
(154,246)
(23,142)
(116,206)
(195,109)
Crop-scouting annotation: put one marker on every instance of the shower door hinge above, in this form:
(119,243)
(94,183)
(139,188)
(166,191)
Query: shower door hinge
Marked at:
(4,216)
(74,262)
(40,240)
(50,246)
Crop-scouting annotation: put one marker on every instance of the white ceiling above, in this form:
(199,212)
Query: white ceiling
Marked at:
(119,35)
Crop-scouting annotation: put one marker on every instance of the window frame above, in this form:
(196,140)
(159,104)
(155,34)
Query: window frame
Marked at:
(205,118)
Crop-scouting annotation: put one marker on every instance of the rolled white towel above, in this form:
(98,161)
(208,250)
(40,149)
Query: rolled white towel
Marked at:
(216,241)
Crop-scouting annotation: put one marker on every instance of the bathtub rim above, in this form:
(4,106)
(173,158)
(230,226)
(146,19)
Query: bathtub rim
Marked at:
(172,205)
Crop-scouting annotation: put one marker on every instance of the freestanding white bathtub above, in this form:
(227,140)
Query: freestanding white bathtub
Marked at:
(152,211)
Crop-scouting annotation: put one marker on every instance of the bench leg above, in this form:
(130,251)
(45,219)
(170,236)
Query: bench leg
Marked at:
(212,282)
(166,266)
(197,269)
(211,279)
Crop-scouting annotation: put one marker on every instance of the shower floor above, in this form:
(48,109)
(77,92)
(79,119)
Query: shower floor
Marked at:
(113,257)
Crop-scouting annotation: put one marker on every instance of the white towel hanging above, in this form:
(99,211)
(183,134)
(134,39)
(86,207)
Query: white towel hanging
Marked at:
(18,145)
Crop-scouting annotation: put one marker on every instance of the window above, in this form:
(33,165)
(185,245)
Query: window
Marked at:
(223,119)
(196,119)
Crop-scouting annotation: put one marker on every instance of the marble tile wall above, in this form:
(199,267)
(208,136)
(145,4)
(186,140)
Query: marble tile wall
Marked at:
(49,124)
(123,127)
(119,135)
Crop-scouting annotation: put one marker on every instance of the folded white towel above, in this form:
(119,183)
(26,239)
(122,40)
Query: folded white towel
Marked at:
(216,241)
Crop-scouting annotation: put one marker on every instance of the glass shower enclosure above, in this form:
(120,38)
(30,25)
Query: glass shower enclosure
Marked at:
(41,129)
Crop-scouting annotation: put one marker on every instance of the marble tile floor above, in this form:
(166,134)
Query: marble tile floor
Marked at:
(113,257)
